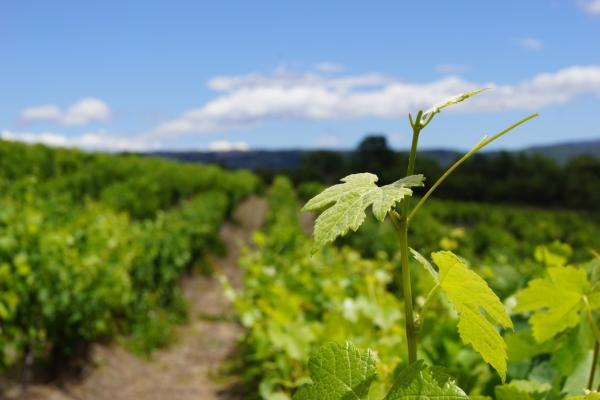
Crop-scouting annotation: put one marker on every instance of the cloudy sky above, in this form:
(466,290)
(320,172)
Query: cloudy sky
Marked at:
(143,75)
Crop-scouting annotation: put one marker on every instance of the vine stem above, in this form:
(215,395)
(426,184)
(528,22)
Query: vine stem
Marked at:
(412,157)
(401,225)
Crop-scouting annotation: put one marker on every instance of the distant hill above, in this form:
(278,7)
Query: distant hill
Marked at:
(282,160)
(563,152)
(560,152)
(277,160)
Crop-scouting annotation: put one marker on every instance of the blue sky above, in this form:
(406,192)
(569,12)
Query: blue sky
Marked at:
(142,75)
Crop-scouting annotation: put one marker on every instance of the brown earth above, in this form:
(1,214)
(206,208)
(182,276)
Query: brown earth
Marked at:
(187,368)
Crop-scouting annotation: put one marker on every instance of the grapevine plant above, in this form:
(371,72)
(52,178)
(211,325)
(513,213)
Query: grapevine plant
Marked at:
(345,372)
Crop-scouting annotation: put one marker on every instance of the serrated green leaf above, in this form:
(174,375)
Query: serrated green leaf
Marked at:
(339,372)
(419,382)
(346,203)
(556,301)
(469,295)
(451,101)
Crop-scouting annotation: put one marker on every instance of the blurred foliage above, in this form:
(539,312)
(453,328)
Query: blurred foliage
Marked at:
(294,303)
(94,245)
(502,177)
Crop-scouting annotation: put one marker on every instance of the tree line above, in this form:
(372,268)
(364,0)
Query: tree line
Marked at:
(502,177)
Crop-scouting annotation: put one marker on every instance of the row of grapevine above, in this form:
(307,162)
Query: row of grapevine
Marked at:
(93,246)
(141,186)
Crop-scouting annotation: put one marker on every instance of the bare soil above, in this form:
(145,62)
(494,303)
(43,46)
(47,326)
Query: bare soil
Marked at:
(187,369)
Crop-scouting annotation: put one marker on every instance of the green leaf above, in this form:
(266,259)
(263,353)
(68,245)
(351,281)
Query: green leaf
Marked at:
(556,301)
(419,382)
(449,102)
(339,372)
(470,294)
(346,203)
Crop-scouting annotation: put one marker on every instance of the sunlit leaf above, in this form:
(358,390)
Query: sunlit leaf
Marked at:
(470,295)
(556,301)
(346,203)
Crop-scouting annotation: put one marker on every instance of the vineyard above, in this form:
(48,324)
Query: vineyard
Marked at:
(93,246)
(329,301)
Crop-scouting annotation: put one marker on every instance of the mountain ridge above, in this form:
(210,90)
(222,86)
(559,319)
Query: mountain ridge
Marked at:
(289,159)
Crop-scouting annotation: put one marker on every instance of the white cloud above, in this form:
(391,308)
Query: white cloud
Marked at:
(45,112)
(288,79)
(542,90)
(452,68)
(328,67)
(224,145)
(90,141)
(247,100)
(591,6)
(85,110)
(81,112)
(530,43)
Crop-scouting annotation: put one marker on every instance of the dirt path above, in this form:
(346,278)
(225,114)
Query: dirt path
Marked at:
(183,370)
